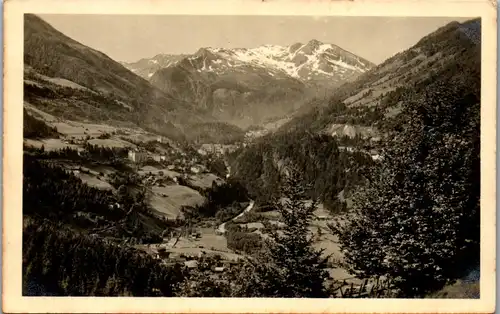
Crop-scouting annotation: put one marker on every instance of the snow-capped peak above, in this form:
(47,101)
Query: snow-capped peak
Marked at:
(302,61)
(308,62)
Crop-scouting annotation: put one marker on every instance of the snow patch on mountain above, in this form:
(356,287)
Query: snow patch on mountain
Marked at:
(302,61)
(308,62)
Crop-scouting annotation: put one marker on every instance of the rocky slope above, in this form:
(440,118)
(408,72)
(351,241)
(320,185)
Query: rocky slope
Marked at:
(245,86)
(312,62)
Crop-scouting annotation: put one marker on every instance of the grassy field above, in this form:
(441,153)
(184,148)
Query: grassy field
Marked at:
(155,171)
(49,144)
(92,180)
(111,143)
(79,129)
(39,113)
(176,197)
(204,180)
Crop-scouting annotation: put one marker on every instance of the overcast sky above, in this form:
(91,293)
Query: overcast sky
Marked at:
(132,37)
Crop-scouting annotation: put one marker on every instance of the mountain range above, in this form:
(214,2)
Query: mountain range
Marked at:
(248,85)
(312,62)
(170,94)
(176,94)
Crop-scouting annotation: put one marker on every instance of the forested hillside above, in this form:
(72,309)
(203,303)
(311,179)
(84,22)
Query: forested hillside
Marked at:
(215,132)
(415,215)
(36,128)
(421,209)
(74,264)
(73,81)
(326,167)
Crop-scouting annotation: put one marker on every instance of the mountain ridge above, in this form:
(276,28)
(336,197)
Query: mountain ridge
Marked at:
(113,92)
(245,86)
(308,62)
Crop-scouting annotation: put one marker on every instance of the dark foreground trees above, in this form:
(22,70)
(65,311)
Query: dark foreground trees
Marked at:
(61,262)
(418,221)
(289,266)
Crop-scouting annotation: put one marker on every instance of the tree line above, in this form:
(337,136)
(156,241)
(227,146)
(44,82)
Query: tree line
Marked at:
(35,128)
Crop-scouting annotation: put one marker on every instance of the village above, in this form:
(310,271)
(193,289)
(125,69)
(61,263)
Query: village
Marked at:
(175,176)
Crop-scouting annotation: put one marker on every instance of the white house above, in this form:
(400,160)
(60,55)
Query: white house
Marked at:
(202,152)
(159,158)
(191,264)
(195,169)
(137,156)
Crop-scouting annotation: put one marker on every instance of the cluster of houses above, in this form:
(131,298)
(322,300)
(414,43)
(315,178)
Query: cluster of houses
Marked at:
(182,164)
(216,149)
(191,261)
(139,156)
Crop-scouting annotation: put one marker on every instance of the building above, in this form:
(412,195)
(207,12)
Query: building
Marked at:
(162,253)
(202,152)
(159,158)
(276,223)
(195,170)
(160,139)
(255,225)
(191,264)
(219,232)
(137,156)
(216,149)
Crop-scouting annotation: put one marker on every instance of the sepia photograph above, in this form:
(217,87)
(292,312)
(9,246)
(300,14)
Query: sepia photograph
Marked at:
(252,156)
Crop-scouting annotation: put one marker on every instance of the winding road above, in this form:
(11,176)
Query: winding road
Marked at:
(222,228)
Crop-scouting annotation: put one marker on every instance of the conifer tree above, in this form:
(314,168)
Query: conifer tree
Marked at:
(289,266)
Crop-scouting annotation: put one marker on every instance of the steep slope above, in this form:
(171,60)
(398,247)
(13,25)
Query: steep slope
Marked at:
(363,114)
(376,97)
(89,85)
(245,86)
